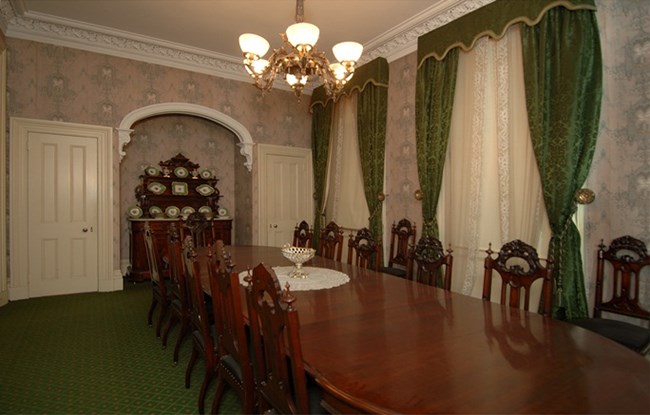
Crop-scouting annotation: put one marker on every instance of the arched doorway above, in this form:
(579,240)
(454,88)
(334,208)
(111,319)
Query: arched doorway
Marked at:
(245,139)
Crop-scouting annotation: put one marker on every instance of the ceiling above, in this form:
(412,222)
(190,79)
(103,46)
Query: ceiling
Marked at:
(202,35)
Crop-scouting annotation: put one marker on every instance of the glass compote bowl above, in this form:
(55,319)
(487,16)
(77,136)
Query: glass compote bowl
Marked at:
(298,255)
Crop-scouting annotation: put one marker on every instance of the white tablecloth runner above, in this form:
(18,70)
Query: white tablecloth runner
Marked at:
(318,279)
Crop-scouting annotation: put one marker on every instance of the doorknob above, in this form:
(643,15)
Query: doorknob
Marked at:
(275,226)
(85,229)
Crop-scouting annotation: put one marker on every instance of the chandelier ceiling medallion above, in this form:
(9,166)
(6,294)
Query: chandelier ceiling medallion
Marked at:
(297,60)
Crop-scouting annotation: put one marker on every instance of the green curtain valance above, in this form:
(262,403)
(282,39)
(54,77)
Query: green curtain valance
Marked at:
(491,20)
(375,72)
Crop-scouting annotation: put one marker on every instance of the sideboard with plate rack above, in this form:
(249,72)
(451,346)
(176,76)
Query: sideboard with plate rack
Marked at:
(170,192)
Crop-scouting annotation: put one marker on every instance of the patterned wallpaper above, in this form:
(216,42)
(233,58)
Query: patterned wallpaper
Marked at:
(620,174)
(56,83)
(62,84)
(160,138)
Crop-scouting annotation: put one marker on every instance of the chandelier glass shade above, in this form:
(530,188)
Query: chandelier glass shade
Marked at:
(297,60)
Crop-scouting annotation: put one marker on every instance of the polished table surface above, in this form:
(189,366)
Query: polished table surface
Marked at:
(395,346)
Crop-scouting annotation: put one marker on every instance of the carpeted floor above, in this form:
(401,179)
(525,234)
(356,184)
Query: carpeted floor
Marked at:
(93,354)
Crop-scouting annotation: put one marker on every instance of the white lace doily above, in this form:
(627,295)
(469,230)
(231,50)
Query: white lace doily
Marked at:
(318,279)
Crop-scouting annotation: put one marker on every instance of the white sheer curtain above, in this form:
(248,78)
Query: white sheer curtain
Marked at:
(345,201)
(491,188)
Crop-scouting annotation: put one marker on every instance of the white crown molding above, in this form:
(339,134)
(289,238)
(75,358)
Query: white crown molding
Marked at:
(403,39)
(37,27)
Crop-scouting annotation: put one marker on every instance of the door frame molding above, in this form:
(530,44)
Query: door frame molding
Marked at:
(19,132)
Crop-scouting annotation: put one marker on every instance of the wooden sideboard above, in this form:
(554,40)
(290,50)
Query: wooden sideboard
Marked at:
(139,270)
(172,191)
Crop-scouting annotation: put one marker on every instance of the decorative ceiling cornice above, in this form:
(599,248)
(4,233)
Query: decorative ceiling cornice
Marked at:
(391,45)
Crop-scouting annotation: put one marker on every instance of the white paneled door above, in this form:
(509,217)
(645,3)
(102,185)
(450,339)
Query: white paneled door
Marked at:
(62,214)
(61,217)
(286,192)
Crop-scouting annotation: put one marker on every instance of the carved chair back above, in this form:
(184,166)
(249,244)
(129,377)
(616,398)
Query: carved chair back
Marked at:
(278,366)
(364,250)
(200,228)
(402,237)
(519,267)
(203,344)
(303,235)
(230,332)
(426,261)
(622,263)
(330,243)
(153,258)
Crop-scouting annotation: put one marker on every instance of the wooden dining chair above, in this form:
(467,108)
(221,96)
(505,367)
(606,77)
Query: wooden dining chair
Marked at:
(620,266)
(426,261)
(364,250)
(200,228)
(330,242)
(203,343)
(303,235)
(159,284)
(519,266)
(234,367)
(180,305)
(402,238)
(279,371)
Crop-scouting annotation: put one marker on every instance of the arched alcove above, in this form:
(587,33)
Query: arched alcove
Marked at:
(245,139)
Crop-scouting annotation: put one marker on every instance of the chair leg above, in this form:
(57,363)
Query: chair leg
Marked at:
(182,335)
(218,395)
(207,379)
(164,308)
(190,365)
(173,318)
(154,302)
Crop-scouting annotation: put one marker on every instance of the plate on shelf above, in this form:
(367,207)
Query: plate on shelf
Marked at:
(187,211)
(204,189)
(181,172)
(135,212)
(222,211)
(155,212)
(205,174)
(152,170)
(156,188)
(172,212)
(179,188)
(206,210)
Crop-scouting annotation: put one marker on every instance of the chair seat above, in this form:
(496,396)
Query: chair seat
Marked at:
(629,335)
(394,271)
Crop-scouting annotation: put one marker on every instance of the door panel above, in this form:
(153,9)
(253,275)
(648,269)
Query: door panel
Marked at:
(62,201)
(286,192)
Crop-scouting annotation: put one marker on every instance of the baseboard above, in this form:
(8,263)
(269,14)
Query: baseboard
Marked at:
(114,284)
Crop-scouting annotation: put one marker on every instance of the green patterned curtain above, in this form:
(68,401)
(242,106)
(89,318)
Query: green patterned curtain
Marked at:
(320,140)
(372,107)
(434,100)
(563,77)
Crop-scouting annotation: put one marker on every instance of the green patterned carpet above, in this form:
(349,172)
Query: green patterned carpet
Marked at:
(94,354)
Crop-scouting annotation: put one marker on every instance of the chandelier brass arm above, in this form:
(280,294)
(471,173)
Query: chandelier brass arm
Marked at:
(297,60)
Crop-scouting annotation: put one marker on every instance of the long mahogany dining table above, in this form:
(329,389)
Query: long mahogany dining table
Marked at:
(383,344)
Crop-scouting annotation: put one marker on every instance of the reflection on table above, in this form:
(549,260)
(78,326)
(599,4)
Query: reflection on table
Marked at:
(385,344)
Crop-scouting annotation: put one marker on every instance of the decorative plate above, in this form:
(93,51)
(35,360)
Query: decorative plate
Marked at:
(205,174)
(179,188)
(206,210)
(156,188)
(135,212)
(187,211)
(204,189)
(172,211)
(222,211)
(181,172)
(155,211)
(152,171)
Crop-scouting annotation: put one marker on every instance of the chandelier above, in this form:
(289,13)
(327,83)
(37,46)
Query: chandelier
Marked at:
(297,60)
